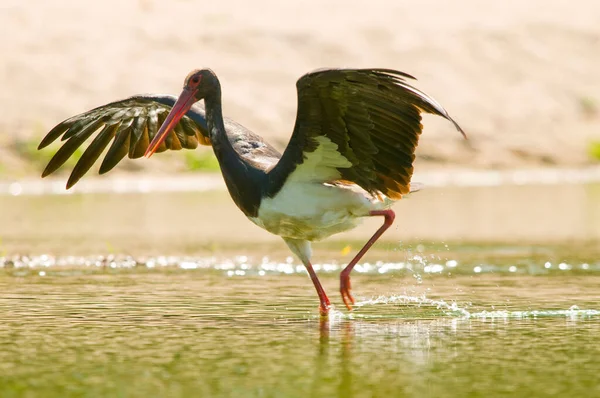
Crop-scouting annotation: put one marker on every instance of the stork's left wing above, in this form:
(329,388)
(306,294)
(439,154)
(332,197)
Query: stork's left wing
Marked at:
(359,125)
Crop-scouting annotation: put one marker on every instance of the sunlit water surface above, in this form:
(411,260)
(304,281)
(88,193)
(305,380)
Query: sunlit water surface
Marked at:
(245,327)
(234,316)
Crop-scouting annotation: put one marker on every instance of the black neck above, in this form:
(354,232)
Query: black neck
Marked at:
(214,118)
(244,181)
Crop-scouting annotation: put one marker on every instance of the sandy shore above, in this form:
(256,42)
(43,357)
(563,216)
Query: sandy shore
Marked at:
(522,78)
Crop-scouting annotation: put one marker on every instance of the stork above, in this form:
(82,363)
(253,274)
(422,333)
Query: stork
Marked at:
(350,155)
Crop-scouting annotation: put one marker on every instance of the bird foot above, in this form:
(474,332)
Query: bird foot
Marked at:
(324,305)
(324,310)
(345,288)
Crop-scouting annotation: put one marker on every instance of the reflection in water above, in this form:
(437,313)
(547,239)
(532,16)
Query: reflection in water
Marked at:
(345,386)
(174,332)
(343,363)
(459,357)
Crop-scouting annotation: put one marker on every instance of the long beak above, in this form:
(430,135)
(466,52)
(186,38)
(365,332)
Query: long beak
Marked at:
(184,103)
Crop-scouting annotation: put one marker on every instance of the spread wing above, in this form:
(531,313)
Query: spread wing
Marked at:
(359,125)
(130,124)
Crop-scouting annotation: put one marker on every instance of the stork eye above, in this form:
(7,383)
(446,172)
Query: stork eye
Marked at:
(195,80)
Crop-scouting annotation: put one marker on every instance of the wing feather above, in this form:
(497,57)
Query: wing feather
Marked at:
(92,153)
(118,149)
(373,119)
(130,124)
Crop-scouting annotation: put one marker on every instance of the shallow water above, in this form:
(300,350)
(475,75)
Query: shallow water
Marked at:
(176,294)
(172,329)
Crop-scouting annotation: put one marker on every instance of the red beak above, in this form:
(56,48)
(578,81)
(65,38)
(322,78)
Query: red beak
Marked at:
(184,103)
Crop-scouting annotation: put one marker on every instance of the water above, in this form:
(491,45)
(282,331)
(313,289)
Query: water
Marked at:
(107,327)
(175,294)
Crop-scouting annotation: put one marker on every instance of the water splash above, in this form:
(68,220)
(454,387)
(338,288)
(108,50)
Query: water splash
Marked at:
(572,313)
(455,310)
(451,308)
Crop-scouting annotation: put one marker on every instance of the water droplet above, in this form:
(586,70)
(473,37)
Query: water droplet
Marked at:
(477,269)
(512,268)
(433,268)
(188,265)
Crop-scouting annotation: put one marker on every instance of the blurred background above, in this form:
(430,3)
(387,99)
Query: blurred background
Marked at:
(148,281)
(520,77)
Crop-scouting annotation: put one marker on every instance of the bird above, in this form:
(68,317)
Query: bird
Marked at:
(350,155)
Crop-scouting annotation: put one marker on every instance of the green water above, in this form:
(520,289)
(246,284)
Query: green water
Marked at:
(177,295)
(143,332)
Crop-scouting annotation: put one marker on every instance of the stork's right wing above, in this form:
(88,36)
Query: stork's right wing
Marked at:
(130,124)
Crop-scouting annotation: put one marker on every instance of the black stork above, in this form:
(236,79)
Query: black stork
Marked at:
(350,155)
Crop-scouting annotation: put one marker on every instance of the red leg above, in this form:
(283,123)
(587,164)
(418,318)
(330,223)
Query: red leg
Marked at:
(301,248)
(345,275)
(324,305)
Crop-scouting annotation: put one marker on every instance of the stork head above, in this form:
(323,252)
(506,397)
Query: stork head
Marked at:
(198,84)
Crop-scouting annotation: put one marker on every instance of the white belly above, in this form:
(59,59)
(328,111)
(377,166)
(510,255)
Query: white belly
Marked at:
(314,211)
